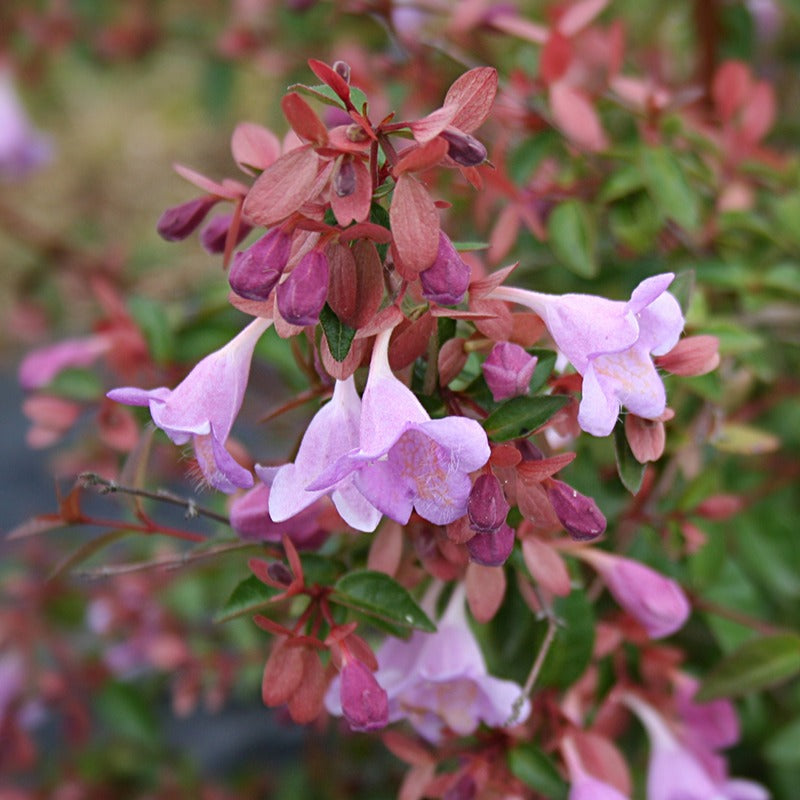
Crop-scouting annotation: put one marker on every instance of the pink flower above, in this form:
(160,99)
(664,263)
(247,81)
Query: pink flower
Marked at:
(677,773)
(363,701)
(657,602)
(40,366)
(439,681)
(508,370)
(405,460)
(331,435)
(610,343)
(583,785)
(203,407)
(22,148)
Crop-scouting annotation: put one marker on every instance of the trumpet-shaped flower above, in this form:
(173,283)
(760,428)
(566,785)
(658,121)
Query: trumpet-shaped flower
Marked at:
(439,681)
(330,436)
(610,343)
(203,407)
(405,460)
(677,773)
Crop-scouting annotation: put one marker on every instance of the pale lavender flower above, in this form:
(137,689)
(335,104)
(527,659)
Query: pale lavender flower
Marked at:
(657,602)
(405,460)
(713,724)
(676,772)
(508,370)
(22,148)
(439,681)
(610,343)
(203,407)
(41,366)
(331,435)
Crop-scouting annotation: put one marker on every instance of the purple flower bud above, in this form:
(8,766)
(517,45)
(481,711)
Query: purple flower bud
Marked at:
(508,370)
(302,295)
(447,279)
(492,549)
(215,234)
(487,506)
(279,573)
(464,149)
(344,181)
(342,69)
(178,222)
(463,789)
(255,271)
(579,514)
(365,704)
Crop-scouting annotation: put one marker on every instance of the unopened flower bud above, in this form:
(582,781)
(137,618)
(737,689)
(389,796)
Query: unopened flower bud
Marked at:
(508,370)
(464,149)
(344,181)
(215,234)
(492,549)
(579,514)
(487,506)
(255,272)
(302,295)
(279,573)
(365,704)
(178,222)
(342,69)
(463,789)
(447,279)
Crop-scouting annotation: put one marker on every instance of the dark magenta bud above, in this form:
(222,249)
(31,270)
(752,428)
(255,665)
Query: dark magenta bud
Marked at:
(342,69)
(463,789)
(365,704)
(255,271)
(344,181)
(302,295)
(279,573)
(464,149)
(487,506)
(178,222)
(492,549)
(508,370)
(215,234)
(447,279)
(579,514)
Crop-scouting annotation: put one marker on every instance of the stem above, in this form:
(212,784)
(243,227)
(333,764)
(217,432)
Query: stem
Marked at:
(93,480)
(754,623)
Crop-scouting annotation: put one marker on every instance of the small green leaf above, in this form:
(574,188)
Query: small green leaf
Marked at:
(249,596)
(340,336)
(377,595)
(668,187)
(571,234)
(76,384)
(572,648)
(537,770)
(757,664)
(127,712)
(325,94)
(733,437)
(621,183)
(521,416)
(544,366)
(466,246)
(319,570)
(152,320)
(380,216)
(784,746)
(630,471)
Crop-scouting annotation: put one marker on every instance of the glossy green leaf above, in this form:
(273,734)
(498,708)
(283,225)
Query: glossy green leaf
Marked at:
(537,771)
(521,416)
(249,596)
(377,595)
(152,320)
(544,367)
(630,471)
(755,665)
(340,336)
(325,94)
(571,233)
(572,647)
(669,188)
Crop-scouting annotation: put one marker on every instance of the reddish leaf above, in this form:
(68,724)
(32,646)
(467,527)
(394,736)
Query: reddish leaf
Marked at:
(369,282)
(36,525)
(556,57)
(731,88)
(354,207)
(341,370)
(431,126)
(546,566)
(367,230)
(255,308)
(283,674)
(486,587)
(498,323)
(601,758)
(386,549)
(545,467)
(574,113)
(758,114)
(305,704)
(303,119)
(579,15)
(385,319)
(229,192)
(472,94)
(411,341)
(282,187)
(452,359)
(505,455)
(407,749)
(528,328)
(254,147)
(415,224)
(425,156)
(484,286)
(332,78)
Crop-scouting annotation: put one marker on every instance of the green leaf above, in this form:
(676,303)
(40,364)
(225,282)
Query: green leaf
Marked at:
(380,216)
(522,415)
(76,384)
(249,596)
(377,595)
(152,320)
(535,769)
(571,234)
(733,437)
(630,471)
(469,245)
(755,665)
(127,712)
(572,647)
(325,94)
(544,366)
(621,183)
(784,746)
(668,187)
(340,336)
(319,570)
